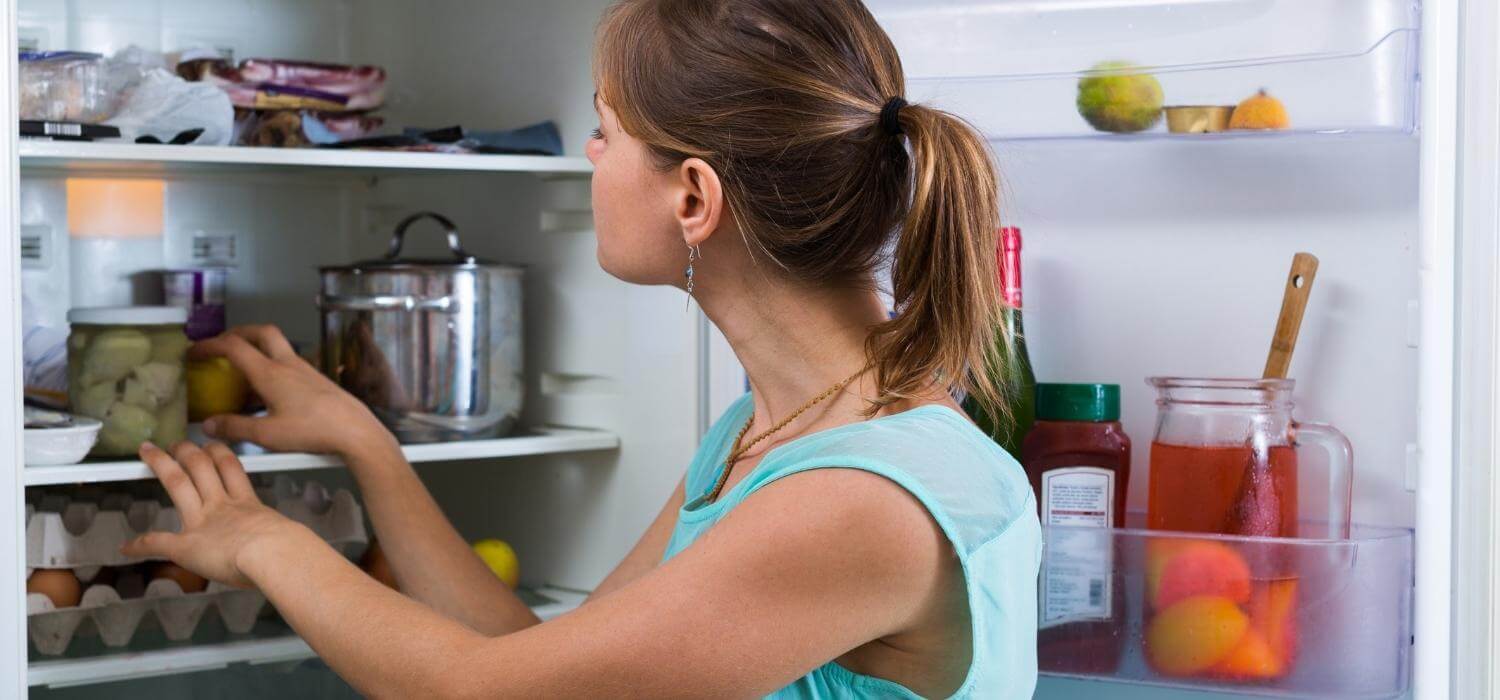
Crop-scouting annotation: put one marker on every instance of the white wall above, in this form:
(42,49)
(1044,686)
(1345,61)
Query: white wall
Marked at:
(1166,258)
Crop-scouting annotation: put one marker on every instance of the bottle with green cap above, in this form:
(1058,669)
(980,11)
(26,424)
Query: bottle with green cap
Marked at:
(1078,446)
(1078,459)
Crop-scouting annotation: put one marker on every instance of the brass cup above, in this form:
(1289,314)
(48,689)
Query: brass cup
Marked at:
(1198,119)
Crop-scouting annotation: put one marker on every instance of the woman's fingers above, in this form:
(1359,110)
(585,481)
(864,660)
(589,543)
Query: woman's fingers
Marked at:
(201,468)
(234,428)
(154,545)
(268,338)
(178,484)
(246,357)
(236,481)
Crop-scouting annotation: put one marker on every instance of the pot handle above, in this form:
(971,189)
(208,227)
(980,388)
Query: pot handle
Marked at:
(399,237)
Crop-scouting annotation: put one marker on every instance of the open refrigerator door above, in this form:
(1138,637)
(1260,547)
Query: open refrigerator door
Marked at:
(1156,235)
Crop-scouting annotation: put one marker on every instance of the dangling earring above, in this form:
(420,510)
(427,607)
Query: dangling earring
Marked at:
(693,254)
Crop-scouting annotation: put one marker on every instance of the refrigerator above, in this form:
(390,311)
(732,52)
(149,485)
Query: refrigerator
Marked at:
(1146,254)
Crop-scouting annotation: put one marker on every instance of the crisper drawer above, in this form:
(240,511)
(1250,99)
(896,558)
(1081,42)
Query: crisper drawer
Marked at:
(1301,618)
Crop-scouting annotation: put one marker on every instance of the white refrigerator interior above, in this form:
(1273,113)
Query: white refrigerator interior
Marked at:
(1146,255)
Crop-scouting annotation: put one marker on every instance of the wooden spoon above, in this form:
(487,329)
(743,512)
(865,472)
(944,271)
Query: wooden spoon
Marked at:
(1257,507)
(1299,284)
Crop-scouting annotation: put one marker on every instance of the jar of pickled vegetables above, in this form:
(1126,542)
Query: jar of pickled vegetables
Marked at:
(125,368)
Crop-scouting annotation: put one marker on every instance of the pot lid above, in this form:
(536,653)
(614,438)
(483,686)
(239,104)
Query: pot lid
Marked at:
(459,259)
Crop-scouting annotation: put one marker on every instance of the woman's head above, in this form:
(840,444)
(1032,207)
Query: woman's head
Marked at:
(769,112)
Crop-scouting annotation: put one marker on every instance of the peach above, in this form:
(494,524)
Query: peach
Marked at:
(1251,659)
(1160,551)
(1273,612)
(1201,568)
(1191,635)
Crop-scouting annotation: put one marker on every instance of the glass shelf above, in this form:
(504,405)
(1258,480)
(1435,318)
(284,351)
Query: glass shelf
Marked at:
(1011,67)
(1293,618)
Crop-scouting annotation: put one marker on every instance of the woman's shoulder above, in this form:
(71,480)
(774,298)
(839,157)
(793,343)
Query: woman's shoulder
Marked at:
(975,489)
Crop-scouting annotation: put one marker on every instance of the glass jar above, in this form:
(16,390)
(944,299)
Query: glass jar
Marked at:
(125,368)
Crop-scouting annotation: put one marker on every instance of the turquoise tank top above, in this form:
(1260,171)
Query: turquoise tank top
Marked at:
(973,489)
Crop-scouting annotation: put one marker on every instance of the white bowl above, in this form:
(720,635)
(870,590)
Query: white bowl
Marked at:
(51,447)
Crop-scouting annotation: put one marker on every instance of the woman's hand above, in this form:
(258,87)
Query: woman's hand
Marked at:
(307,411)
(222,518)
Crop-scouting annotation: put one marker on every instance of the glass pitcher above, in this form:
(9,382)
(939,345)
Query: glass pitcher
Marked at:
(1225,460)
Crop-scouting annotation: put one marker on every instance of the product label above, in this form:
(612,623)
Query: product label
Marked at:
(1079,557)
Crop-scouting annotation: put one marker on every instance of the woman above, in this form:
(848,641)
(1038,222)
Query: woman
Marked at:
(843,530)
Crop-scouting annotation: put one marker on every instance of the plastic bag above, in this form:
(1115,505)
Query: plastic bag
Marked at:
(162,105)
(44,358)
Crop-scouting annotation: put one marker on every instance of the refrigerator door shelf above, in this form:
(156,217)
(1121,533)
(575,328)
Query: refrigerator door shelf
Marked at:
(1291,618)
(1012,68)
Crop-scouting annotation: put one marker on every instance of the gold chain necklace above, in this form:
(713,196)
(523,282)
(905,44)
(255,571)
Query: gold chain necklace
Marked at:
(738,451)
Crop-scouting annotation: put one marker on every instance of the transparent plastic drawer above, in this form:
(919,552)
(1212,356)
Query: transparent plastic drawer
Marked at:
(1304,618)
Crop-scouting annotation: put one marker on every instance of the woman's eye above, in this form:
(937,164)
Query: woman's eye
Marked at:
(596,134)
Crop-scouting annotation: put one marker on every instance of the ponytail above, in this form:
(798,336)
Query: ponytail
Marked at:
(791,103)
(943,270)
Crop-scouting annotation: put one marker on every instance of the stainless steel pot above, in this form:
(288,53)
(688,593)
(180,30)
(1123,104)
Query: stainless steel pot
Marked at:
(433,346)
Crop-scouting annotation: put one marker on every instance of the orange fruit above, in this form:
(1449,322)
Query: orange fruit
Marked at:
(1260,111)
(1192,635)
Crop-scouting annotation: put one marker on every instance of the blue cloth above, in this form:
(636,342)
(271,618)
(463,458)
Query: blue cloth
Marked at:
(973,489)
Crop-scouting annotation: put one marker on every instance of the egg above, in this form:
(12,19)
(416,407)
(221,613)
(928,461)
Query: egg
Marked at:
(189,581)
(375,564)
(59,585)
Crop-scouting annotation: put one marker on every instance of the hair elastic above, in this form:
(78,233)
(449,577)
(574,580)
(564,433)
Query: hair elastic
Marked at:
(890,116)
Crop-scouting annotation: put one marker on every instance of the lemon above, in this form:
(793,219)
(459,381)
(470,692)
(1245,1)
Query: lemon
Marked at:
(1116,96)
(214,387)
(501,559)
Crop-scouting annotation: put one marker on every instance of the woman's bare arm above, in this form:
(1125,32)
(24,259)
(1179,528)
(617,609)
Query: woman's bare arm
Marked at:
(648,551)
(309,413)
(790,579)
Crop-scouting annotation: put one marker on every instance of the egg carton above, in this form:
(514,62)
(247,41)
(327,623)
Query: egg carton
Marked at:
(84,531)
(115,612)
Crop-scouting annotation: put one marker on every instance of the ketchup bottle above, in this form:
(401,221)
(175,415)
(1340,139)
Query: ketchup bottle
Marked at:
(1078,459)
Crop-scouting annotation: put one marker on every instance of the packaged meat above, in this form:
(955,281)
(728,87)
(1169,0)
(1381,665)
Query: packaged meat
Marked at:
(294,129)
(267,84)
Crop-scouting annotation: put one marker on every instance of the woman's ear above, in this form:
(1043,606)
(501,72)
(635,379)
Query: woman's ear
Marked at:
(699,204)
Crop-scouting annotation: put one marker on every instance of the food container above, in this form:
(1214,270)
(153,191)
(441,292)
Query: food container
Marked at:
(64,86)
(201,292)
(125,369)
(54,439)
(1198,119)
(433,346)
(1210,613)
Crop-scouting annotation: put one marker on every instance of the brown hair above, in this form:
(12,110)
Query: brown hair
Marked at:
(783,98)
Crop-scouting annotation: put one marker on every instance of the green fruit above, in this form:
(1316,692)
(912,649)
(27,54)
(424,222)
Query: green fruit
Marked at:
(1113,98)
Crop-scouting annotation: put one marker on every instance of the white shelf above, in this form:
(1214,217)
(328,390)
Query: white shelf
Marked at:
(545,441)
(207,657)
(91,157)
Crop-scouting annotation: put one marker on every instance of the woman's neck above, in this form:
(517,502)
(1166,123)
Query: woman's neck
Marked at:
(794,342)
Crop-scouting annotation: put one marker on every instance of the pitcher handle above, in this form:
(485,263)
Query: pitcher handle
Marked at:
(1340,472)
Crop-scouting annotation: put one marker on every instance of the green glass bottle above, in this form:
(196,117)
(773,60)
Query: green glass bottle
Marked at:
(1015,367)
